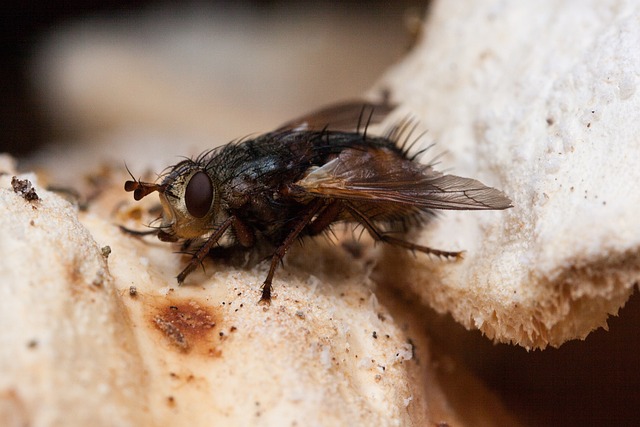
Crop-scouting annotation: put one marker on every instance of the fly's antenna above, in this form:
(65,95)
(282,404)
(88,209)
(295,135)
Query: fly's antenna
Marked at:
(141,189)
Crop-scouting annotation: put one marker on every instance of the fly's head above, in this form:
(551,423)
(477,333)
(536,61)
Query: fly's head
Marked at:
(190,199)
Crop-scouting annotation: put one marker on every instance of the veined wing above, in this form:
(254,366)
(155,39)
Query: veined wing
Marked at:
(379,175)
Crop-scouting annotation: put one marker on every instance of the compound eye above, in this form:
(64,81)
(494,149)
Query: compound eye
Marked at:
(199,194)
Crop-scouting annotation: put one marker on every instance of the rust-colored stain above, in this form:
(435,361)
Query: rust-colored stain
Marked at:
(187,325)
(14,408)
(171,401)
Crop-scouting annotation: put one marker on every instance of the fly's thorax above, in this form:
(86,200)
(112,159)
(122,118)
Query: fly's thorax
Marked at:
(190,203)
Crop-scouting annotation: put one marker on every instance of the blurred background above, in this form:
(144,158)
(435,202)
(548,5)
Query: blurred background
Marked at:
(144,81)
(217,69)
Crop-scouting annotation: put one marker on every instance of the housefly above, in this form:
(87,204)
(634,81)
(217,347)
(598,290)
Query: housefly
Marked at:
(299,180)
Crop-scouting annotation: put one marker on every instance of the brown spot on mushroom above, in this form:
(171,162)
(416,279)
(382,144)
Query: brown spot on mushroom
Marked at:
(187,325)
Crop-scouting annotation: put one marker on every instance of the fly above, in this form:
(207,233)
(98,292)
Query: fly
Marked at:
(299,180)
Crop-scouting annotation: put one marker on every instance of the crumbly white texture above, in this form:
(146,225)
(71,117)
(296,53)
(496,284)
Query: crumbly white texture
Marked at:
(539,100)
(64,350)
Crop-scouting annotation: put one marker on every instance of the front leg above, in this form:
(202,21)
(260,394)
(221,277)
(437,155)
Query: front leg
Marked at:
(204,249)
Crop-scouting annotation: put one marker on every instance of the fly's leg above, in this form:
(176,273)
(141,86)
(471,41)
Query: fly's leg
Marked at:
(382,237)
(204,250)
(285,245)
(324,219)
(243,234)
(137,232)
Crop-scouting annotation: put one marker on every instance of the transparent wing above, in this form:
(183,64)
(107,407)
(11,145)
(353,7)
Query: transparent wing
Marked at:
(382,176)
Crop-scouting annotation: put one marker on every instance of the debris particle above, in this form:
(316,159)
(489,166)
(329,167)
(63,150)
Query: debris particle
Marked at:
(106,251)
(133,291)
(24,188)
